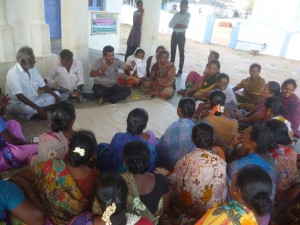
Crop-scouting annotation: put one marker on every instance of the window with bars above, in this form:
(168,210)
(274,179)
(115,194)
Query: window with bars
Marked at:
(96,5)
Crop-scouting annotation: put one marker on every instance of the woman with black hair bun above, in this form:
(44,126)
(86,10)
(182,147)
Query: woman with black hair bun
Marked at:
(154,59)
(54,144)
(110,155)
(256,142)
(225,128)
(272,88)
(149,193)
(284,156)
(251,188)
(66,186)
(161,81)
(198,179)
(273,109)
(111,193)
(176,141)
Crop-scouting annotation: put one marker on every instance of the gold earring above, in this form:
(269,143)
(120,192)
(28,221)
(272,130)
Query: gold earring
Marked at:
(234,193)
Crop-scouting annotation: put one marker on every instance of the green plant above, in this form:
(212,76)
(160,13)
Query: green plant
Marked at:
(250,5)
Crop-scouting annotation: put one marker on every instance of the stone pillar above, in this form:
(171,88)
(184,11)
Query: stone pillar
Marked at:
(74,29)
(19,18)
(39,30)
(150,26)
(6,36)
(22,23)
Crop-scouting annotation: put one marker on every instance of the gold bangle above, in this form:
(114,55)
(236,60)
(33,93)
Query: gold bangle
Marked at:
(31,196)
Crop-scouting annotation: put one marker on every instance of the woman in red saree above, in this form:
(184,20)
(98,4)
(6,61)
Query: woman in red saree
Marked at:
(162,78)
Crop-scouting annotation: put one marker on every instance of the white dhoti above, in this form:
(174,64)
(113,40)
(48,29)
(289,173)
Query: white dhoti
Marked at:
(26,111)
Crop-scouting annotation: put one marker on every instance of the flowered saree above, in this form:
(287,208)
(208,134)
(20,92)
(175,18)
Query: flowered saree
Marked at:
(134,203)
(197,181)
(87,219)
(51,146)
(58,190)
(232,213)
(163,84)
(285,160)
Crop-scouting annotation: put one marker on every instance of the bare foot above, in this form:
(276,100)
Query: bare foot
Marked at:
(102,100)
(181,92)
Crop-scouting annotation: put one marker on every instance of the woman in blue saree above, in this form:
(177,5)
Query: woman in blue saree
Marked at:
(255,150)
(110,156)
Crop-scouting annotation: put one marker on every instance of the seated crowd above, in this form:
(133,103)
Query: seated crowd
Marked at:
(228,159)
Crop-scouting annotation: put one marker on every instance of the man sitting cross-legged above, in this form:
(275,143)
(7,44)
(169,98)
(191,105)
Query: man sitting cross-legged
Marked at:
(69,72)
(105,71)
(22,83)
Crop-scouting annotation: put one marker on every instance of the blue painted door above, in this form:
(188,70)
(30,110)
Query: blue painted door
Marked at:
(53,17)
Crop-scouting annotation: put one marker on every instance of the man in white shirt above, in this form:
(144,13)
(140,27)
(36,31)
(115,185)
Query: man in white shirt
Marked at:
(179,24)
(69,72)
(22,83)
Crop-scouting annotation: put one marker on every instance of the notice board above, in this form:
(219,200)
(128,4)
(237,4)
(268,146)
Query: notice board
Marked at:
(104,23)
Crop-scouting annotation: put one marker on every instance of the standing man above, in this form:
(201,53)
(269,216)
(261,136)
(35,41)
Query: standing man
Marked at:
(134,39)
(105,71)
(22,83)
(179,23)
(69,72)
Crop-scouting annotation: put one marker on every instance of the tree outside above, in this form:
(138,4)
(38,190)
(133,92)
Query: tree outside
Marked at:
(249,6)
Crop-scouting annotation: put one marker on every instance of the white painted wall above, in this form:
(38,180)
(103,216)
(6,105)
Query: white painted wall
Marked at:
(293,51)
(165,18)
(261,33)
(270,22)
(195,31)
(277,12)
(99,41)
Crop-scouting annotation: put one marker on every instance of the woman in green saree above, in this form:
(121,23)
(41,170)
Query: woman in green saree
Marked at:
(149,193)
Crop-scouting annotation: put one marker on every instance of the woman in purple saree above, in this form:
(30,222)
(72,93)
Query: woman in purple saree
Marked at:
(291,103)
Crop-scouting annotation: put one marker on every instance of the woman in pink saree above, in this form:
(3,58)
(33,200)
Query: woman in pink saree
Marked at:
(14,149)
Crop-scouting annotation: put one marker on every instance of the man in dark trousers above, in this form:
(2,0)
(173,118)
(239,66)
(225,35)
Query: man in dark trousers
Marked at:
(105,72)
(179,23)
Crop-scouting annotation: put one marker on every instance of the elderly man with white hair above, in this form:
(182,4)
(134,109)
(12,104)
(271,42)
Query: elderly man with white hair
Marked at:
(22,83)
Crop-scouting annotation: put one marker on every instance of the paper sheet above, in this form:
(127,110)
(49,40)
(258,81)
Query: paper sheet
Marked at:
(107,120)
